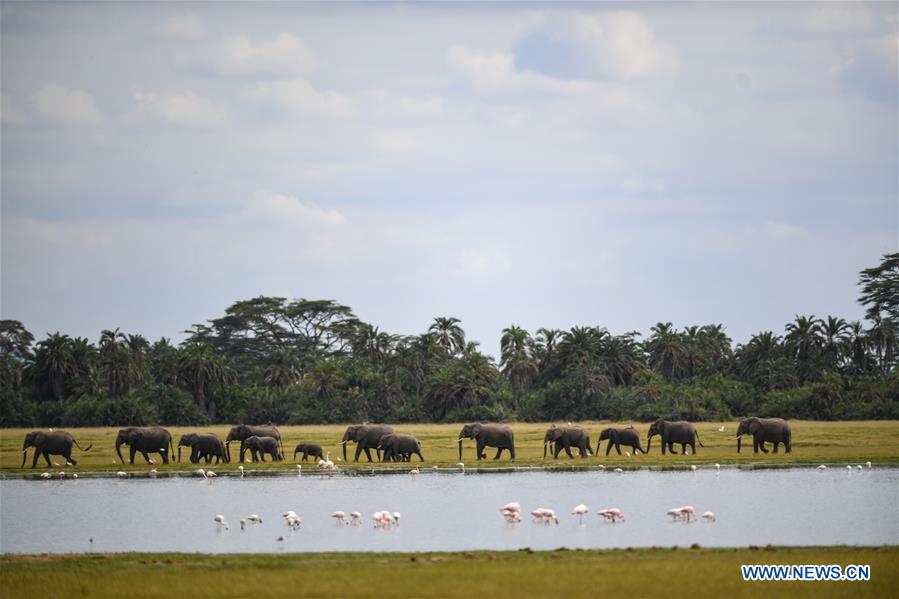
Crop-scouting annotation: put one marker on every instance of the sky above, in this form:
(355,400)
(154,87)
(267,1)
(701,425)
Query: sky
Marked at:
(543,165)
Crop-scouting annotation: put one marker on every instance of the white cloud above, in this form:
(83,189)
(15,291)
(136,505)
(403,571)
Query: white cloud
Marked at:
(784,230)
(495,72)
(287,210)
(188,27)
(624,45)
(183,108)
(70,106)
(298,95)
(285,54)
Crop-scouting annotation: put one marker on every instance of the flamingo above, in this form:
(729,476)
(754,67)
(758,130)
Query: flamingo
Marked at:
(121,474)
(200,472)
(579,511)
(46,475)
(693,468)
(62,474)
(220,520)
(299,469)
(512,517)
(618,471)
(675,513)
(462,466)
(340,517)
(74,475)
(688,512)
(822,467)
(240,469)
(859,466)
(153,473)
(709,516)
(545,514)
(396,518)
(600,467)
(848,467)
(414,472)
(512,506)
(210,474)
(868,464)
(356,518)
(718,467)
(613,514)
(254,519)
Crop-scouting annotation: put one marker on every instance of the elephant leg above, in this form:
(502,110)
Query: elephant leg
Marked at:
(618,448)
(762,447)
(131,451)
(368,453)
(568,451)
(46,455)
(671,448)
(479,448)
(146,456)
(663,447)
(499,452)
(358,452)
(377,453)
(683,449)
(776,443)
(788,446)
(165,456)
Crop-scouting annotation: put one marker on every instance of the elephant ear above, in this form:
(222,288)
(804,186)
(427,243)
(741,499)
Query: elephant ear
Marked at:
(39,439)
(754,425)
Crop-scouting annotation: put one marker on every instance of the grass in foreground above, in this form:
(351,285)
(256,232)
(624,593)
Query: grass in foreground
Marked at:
(694,573)
(813,443)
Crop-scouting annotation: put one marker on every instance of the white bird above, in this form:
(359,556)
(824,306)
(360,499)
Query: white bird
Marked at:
(294,522)
(512,506)
(46,475)
(848,467)
(220,520)
(396,518)
(254,519)
(340,517)
(675,513)
(434,467)
(709,516)
(579,511)
(299,469)
(618,470)
(545,514)
(211,474)
(613,514)
(512,517)
(356,518)
(868,464)
(600,467)
(153,473)
(121,474)
(462,466)
(859,467)
(200,472)
(74,475)
(414,472)
(822,467)
(62,473)
(693,468)
(240,468)
(627,453)
(718,467)
(688,512)
(721,429)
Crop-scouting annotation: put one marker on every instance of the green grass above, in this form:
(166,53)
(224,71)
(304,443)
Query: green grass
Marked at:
(813,443)
(694,573)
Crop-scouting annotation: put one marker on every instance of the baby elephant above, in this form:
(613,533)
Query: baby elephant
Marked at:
(309,449)
(618,437)
(259,446)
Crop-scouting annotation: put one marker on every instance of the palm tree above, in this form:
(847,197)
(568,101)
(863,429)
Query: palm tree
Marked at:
(803,342)
(449,334)
(857,344)
(54,364)
(118,362)
(835,332)
(622,359)
(199,368)
(666,350)
(284,370)
(517,361)
(372,344)
(883,337)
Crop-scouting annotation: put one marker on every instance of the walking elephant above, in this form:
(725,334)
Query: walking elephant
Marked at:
(50,443)
(146,440)
(203,446)
(366,437)
(309,449)
(674,432)
(259,446)
(242,431)
(566,437)
(488,435)
(771,430)
(399,447)
(628,437)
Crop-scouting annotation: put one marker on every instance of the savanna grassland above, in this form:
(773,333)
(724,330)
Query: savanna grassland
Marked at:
(663,572)
(836,443)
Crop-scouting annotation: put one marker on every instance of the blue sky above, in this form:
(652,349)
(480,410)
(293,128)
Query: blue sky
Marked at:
(538,164)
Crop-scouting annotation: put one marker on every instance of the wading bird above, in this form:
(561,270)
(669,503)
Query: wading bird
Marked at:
(220,520)
(709,516)
(340,517)
(579,511)
(612,514)
(240,469)
(356,518)
(121,474)
(462,466)
(822,467)
(254,519)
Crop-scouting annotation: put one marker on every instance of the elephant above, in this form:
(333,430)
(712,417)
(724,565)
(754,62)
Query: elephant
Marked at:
(205,446)
(488,435)
(309,449)
(259,446)
(774,430)
(399,447)
(618,437)
(50,443)
(242,431)
(146,440)
(566,437)
(366,437)
(674,432)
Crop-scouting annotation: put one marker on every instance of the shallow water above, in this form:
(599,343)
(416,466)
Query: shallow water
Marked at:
(447,511)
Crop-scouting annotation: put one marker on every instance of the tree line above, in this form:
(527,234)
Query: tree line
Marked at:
(270,359)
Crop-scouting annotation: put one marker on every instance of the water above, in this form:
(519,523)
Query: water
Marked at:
(451,511)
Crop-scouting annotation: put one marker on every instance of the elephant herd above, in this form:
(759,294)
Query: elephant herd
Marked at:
(262,441)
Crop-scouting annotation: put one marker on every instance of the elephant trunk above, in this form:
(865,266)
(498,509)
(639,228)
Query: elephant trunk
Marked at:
(648,443)
(118,449)
(179,453)
(460,449)
(25,447)
(739,442)
(545,443)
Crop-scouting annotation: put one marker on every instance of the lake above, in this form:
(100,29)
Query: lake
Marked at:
(451,511)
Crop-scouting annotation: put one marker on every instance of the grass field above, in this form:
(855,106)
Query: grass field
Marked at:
(664,572)
(813,443)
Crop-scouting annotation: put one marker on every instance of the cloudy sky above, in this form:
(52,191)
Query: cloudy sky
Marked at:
(543,165)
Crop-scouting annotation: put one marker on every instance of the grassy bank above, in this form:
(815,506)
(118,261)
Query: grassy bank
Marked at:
(813,443)
(683,572)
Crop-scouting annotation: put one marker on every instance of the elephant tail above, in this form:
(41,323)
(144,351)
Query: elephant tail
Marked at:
(88,448)
(697,438)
